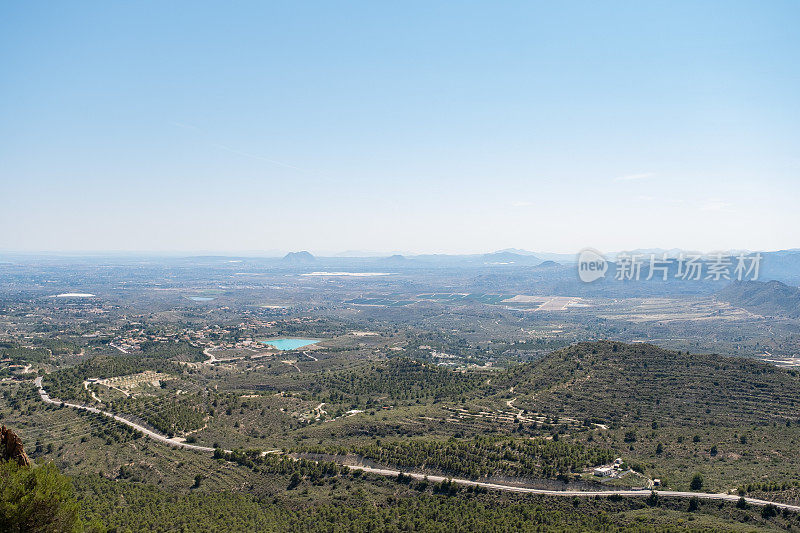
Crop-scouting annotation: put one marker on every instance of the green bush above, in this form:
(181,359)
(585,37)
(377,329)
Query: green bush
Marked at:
(37,499)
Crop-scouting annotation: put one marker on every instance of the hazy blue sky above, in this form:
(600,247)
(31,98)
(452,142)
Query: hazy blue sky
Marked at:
(410,126)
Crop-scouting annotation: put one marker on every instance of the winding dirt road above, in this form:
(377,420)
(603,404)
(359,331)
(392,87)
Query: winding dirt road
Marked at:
(434,478)
(149,432)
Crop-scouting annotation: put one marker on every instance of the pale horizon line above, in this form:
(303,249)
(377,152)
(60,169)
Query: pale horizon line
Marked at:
(345,254)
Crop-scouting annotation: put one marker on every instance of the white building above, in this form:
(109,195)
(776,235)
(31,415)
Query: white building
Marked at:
(604,471)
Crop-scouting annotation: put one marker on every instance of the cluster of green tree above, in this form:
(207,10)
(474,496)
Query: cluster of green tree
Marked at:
(110,430)
(125,506)
(169,415)
(298,469)
(769,486)
(59,346)
(37,499)
(21,354)
(481,457)
(786,492)
(19,400)
(101,427)
(399,379)
(67,383)
(174,351)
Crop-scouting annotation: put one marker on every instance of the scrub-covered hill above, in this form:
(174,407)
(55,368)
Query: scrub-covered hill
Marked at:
(620,384)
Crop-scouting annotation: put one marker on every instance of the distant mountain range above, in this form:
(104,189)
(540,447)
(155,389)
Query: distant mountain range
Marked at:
(783,266)
(508,264)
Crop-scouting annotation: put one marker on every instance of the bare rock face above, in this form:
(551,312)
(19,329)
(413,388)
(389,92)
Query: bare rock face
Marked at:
(11,448)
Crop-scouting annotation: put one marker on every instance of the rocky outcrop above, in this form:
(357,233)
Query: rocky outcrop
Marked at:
(11,447)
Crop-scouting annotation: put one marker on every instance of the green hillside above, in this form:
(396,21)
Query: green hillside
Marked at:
(771,298)
(622,384)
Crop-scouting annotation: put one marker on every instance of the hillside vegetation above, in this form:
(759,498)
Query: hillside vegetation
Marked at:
(771,298)
(620,384)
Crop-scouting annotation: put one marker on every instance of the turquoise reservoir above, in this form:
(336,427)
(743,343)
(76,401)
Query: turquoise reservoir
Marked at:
(289,344)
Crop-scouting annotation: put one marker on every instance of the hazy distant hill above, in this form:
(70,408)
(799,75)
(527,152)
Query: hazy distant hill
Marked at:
(783,265)
(771,298)
(518,251)
(635,384)
(299,258)
(396,259)
(511,258)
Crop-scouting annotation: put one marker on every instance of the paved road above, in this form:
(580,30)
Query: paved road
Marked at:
(433,478)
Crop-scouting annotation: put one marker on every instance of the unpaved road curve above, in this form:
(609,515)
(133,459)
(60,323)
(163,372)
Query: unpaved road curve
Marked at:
(150,433)
(433,478)
(584,493)
(211,357)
